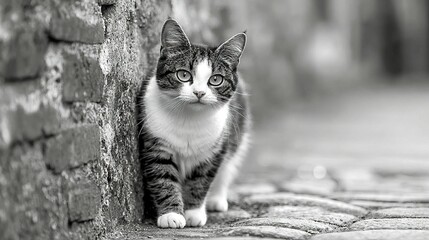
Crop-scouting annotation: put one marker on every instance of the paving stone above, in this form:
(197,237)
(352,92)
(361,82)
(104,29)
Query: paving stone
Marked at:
(228,216)
(304,200)
(82,78)
(256,188)
(309,186)
(416,197)
(400,213)
(375,235)
(267,231)
(76,21)
(310,213)
(394,223)
(138,231)
(73,147)
(376,205)
(84,202)
(301,224)
(240,238)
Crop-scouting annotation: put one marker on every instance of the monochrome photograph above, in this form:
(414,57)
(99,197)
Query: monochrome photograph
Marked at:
(222,119)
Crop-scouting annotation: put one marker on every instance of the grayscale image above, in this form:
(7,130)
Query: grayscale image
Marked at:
(223,119)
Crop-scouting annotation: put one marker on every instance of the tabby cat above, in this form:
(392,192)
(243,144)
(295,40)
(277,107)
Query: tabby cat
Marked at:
(195,127)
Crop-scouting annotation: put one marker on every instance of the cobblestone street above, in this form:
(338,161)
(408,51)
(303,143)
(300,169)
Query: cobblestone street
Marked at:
(95,114)
(349,166)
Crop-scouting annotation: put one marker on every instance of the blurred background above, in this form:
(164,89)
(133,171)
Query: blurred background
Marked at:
(335,83)
(339,92)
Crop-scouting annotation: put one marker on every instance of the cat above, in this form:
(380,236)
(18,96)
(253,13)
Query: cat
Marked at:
(195,127)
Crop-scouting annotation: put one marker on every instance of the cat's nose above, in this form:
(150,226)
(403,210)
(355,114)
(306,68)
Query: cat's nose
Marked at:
(199,94)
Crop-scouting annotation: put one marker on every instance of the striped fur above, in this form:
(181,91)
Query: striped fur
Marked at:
(185,140)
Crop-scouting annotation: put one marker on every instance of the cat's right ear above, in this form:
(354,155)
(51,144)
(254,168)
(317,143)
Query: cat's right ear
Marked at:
(173,36)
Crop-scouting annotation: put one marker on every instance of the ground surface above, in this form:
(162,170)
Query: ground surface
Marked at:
(350,166)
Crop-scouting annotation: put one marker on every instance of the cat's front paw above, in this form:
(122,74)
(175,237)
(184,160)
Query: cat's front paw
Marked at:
(217,204)
(171,220)
(196,217)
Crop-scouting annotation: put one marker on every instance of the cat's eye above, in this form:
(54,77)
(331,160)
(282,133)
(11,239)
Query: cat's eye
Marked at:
(183,76)
(216,80)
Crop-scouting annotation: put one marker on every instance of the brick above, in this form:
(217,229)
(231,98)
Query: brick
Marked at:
(73,147)
(23,54)
(75,21)
(20,124)
(304,200)
(228,216)
(394,223)
(400,213)
(84,202)
(7,230)
(106,2)
(301,224)
(267,231)
(310,213)
(374,234)
(82,78)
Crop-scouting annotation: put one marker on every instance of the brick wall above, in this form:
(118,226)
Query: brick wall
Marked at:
(69,76)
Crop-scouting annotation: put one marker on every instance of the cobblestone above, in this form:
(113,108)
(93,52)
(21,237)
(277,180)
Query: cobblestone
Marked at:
(229,216)
(311,213)
(397,223)
(416,197)
(376,205)
(375,234)
(301,224)
(305,200)
(267,231)
(400,213)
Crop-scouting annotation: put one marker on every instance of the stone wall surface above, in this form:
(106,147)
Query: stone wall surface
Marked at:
(70,72)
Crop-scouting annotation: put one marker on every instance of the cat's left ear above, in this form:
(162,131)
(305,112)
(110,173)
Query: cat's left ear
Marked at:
(231,50)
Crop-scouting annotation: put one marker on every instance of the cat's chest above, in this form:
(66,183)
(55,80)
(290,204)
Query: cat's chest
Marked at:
(187,138)
(189,143)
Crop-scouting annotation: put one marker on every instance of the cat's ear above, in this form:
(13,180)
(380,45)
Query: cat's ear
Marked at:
(173,36)
(231,50)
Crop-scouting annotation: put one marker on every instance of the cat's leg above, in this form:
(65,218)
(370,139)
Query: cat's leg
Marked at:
(217,199)
(195,191)
(163,183)
(218,194)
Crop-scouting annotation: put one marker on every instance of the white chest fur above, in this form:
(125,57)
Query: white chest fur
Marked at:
(188,134)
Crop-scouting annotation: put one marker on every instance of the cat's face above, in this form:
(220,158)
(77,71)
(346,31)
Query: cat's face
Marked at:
(197,76)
